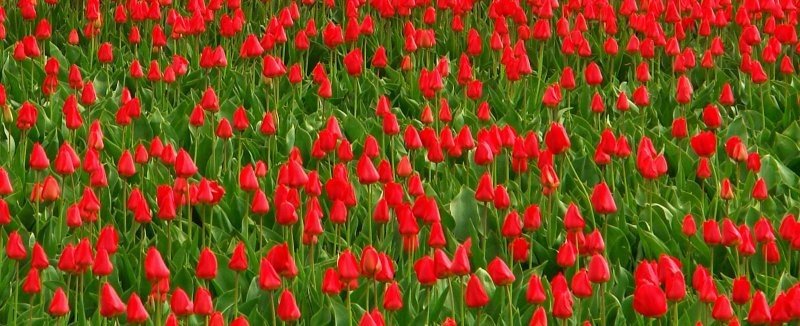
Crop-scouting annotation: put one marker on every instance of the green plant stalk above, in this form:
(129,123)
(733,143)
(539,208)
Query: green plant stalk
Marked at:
(236,295)
(428,306)
(510,305)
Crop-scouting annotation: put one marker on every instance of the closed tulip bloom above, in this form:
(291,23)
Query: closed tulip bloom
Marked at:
(519,249)
(105,53)
(501,199)
(593,75)
(704,143)
(59,305)
(726,189)
(573,220)
(268,278)
(499,272)
(704,168)
(563,305)
(770,251)
(740,293)
(136,312)
(649,300)
(759,313)
(282,260)
(39,258)
(598,269)
(102,265)
(485,190)
(581,286)
(287,309)
(722,310)
(110,303)
(679,128)
(760,190)
(602,200)
(730,233)
(675,286)
(557,139)
(539,317)
(180,303)
(331,284)
(425,271)
(460,264)
(683,91)
(203,303)
(535,292)
(763,230)
(224,129)
(689,226)
(712,117)
(32,284)
(206,265)
(370,261)
(392,297)
(38,159)
(354,62)
(475,295)
(567,255)
(348,266)
(15,249)
(238,260)
(711,233)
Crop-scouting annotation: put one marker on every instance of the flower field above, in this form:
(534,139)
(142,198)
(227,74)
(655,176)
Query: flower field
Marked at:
(399,162)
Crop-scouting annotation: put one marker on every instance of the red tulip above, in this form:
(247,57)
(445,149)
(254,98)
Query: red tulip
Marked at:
(136,312)
(557,139)
(110,303)
(287,309)
(722,310)
(203,303)
(475,295)
(32,284)
(180,303)
(425,271)
(683,91)
(649,300)
(105,53)
(268,278)
(602,200)
(59,305)
(592,74)
(354,62)
(154,267)
(238,261)
(392,297)
(740,294)
(760,190)
(759,312)
(704,143)
(598,269)
(102,263)
(499,272)
(15,249)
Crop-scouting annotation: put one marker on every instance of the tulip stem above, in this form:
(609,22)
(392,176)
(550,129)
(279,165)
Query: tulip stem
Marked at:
(675,314)
(274,309)
(510,306)
(369,209)
(349,309)
(485,227)
(16,293)
(236,295)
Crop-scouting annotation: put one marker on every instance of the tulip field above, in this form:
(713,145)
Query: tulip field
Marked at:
(399,162)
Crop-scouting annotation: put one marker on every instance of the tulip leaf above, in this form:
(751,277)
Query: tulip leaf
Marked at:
(464,209)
